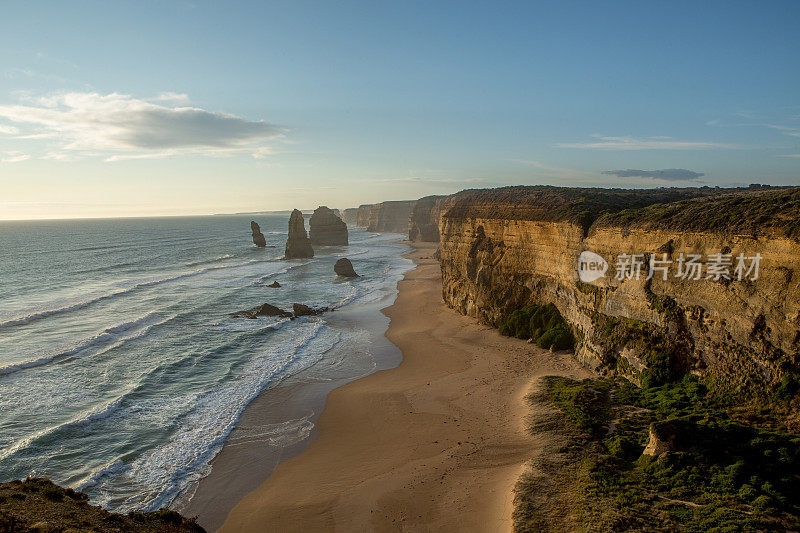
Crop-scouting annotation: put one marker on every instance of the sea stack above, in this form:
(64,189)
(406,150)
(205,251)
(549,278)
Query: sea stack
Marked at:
(298,245)
(344,267)
(326,228)
(258,237)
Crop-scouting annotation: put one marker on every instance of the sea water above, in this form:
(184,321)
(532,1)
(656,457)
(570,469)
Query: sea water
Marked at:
(121,371)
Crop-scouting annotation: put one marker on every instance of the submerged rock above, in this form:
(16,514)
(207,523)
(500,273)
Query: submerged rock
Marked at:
(326,228)
(263,310)
(304,310)
(344,267)
(297,244)
(258,237)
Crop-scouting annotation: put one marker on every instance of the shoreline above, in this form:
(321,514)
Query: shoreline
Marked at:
(436,443)
(279,424)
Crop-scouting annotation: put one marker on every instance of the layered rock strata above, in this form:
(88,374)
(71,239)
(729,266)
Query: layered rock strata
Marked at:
(505,248)
(326,228)
(298,244)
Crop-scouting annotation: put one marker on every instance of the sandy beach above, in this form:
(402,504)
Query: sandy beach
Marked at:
(435,444)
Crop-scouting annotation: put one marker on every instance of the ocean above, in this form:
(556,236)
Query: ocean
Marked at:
(121,371)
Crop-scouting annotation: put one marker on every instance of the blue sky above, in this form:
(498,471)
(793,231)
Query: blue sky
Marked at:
(129,108)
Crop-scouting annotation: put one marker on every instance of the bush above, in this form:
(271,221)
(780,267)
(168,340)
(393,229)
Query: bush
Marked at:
(542,323)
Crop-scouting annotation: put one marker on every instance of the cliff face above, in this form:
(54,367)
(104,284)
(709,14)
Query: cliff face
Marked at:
(350,216)
(297,244)
(503,249)
(385,216)
(423,222)
(326,228)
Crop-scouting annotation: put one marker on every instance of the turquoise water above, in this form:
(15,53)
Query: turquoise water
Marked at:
(121,373)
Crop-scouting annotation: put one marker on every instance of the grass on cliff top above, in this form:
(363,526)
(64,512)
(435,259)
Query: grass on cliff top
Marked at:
(721,475)
(749,213)
(37,504)
(574,204)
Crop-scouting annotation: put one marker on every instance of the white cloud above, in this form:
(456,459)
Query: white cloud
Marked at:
(118,126)
(10,130)
(13,157)
(649,143)
(793,132)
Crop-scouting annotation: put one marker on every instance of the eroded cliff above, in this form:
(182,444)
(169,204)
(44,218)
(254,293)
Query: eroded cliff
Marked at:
(386,216)
(505,248)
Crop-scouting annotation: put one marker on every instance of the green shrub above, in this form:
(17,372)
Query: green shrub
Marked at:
(542,323)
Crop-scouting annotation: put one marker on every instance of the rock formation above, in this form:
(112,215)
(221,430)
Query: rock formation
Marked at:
(344,267)
(297,244)
(274,285)
(326,228)
(504,248)
(258,237)
(423,222)
(350,216)
(385,217)
(304,310)
(262,310)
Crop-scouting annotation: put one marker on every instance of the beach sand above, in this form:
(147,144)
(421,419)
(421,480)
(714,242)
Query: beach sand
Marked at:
(435,444)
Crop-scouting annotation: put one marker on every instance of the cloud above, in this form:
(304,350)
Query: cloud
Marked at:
(786,130)
(792,155)
(649,143)
(668,174)
(91,123)
(10,130)
(13,157)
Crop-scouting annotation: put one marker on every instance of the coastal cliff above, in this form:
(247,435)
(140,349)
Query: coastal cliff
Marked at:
(385,216)
(350,216)
(505,248)
(423,222)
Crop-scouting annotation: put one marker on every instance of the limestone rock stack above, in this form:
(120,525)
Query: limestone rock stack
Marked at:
(327,229)
(298,244)
(258,237)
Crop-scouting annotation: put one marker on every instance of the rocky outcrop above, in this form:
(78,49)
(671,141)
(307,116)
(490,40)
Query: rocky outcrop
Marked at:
(505,248)
(423,222)
(274,285)
(39,505)
(344,267)
(304,310)
(262,310)
(258,237)
(391,217)
(350,216)
(326,228)
(297,244)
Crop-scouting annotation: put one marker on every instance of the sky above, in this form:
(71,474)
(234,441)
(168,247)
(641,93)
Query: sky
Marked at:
(168,108)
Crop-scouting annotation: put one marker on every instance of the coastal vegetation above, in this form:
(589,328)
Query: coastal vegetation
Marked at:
(37,504)
(543,324)
(670,457)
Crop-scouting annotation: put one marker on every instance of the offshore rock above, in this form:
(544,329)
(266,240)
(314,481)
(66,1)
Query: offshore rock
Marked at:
(326,228)
(304,310)
(344,267)
(258,237)
(262,310)
(274,285)
(297,244)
